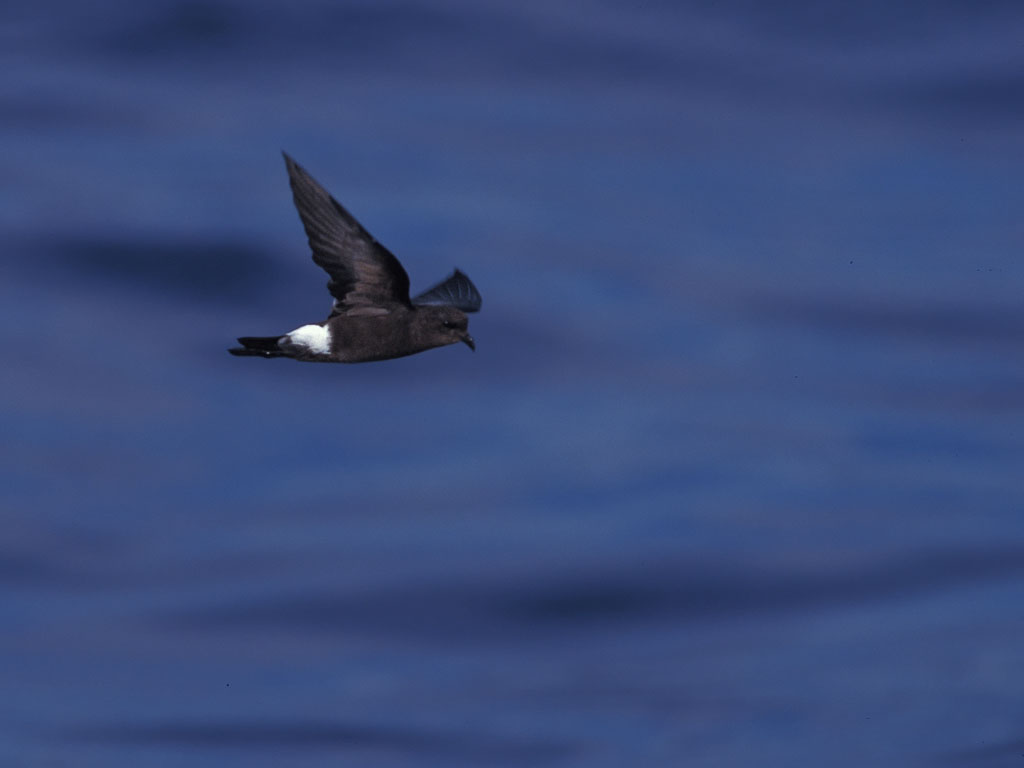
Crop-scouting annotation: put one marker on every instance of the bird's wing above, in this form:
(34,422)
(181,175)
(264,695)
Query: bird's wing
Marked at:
(366,278)
(457,291)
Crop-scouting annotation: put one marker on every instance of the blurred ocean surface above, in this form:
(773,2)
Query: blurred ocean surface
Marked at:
(733,479)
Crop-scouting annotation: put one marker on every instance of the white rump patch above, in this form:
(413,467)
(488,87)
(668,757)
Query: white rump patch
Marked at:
(315,338)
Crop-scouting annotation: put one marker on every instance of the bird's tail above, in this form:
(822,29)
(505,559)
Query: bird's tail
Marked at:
(258,346)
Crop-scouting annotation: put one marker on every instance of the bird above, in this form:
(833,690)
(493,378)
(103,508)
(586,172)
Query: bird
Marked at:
(372,317)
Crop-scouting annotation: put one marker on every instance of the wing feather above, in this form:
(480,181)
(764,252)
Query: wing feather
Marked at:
(457,291)
(364,274)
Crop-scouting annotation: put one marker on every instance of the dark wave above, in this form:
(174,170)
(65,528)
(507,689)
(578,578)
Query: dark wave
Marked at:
(327,736)
(662,593)
(211,271)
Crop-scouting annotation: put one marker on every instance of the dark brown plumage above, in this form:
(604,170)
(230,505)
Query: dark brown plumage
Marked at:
(373,317)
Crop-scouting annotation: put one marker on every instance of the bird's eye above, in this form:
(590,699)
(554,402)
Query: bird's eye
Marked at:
(449,324)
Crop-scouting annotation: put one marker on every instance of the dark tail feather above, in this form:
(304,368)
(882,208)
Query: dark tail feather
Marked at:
(258,346)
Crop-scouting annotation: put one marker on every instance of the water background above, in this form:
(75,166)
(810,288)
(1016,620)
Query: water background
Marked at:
(733,479)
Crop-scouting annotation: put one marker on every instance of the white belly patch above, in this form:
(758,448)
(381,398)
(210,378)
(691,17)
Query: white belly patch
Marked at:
(315,338)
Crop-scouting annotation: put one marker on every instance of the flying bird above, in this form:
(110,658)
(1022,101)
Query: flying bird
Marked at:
(373,317)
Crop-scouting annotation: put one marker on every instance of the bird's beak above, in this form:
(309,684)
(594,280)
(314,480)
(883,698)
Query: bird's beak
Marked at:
(468,341)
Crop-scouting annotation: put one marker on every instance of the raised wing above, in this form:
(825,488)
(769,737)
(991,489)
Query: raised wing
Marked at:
(366,278)
(457,291)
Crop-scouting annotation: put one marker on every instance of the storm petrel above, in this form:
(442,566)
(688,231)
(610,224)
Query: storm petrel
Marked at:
(373,317)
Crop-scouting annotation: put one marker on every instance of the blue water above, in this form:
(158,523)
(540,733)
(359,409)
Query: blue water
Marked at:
(733,479)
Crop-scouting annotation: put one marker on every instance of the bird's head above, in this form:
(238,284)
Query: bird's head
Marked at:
(444,325)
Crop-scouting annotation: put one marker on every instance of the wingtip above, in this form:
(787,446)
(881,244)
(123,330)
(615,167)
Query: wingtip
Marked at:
(296,173)
(475,293)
